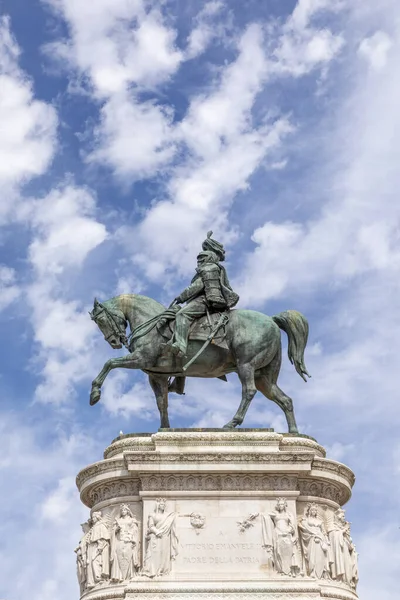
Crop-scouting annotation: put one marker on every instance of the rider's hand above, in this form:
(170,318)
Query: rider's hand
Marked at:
(175,301)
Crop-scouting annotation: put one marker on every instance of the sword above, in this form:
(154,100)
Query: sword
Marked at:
(223,319)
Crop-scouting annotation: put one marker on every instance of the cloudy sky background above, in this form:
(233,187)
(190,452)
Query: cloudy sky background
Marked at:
(130,128)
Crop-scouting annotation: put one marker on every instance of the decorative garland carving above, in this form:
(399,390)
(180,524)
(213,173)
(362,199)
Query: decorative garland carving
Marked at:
(218,457)
(228,596)
(216,482)
(322,489)
(108,490)
(287,592)
(218,437)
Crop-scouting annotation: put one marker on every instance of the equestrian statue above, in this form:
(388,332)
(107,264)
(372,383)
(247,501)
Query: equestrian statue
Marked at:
(204,338)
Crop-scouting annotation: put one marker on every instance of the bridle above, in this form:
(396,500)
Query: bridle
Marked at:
(116,330)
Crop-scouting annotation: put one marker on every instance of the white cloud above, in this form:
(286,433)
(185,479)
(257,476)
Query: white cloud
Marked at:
(135,401)
(302,46)
(122,48)
(41,510)
(356,229)
(133,138)
(375,49)
(206,28)
(224,148)
(117,43)
(379,551)
(65,230)
(28,126)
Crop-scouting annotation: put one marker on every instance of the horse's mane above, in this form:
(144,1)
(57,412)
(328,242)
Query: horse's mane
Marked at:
(127,300)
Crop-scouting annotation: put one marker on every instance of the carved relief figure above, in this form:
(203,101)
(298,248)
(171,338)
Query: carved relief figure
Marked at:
(81,556)
(279,535)
(124,545)
(315,543)
(343,555)
(161,541)
(98,551)
(353,560)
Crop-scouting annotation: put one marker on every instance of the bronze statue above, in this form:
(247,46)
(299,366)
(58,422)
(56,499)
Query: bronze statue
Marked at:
(220,341)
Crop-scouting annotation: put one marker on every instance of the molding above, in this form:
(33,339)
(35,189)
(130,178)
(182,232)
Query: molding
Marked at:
(217,595)
(282,589)
(101,467)
(219,457)
(216,482)
(324,489)
(204,495)
(109,490)
(332,466)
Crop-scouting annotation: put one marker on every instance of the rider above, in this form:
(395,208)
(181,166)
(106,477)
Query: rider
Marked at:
(209,291)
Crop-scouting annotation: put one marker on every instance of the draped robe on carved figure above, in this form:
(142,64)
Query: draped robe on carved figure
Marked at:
(279,533)
(315,543)
(161,541)
(124,545)
(81,556)
(98,553)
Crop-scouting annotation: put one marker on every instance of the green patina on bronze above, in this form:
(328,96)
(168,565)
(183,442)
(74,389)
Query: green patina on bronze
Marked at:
(251,340)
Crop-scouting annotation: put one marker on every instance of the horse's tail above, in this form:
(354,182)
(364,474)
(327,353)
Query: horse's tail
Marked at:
(295,326)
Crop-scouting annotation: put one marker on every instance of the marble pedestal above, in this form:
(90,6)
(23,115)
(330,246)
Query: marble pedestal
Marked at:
(213,514)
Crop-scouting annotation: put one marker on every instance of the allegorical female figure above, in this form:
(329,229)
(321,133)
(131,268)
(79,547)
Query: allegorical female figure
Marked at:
(161,541)
(354,561)
(81,556)
(280,539)
(98,551)
(315,543)
(124,545)
(340,553)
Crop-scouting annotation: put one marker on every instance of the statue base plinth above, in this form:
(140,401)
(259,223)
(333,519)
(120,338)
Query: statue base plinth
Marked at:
(215,514)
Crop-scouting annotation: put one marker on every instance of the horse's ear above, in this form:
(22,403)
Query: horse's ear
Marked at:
(96,303)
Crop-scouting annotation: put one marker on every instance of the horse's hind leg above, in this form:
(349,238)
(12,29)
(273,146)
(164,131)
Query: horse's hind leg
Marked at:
(159,385)
(265,381)
(246,376)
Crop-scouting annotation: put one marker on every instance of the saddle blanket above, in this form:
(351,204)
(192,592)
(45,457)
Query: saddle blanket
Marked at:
(201,329)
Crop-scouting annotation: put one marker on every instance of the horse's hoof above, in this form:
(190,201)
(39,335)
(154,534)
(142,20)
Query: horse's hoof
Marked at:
(229,425)
(94,397)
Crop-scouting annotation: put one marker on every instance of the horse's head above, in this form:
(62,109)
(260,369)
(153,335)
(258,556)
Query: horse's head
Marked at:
(111,322)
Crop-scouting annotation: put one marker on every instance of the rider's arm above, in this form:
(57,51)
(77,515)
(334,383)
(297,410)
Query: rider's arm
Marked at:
(191,291)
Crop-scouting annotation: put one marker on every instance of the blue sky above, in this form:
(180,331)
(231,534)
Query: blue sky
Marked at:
(128,130)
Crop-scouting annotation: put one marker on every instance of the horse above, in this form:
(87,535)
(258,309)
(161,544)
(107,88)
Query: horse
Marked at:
(253,350)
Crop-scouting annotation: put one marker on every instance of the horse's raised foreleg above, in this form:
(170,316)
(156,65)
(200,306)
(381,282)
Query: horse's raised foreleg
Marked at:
(246,376)
(159,385)
(124,362)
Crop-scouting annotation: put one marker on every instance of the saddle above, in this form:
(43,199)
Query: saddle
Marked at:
(199,330)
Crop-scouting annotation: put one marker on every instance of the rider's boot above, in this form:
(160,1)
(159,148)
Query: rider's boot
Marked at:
(177,386)
(182,325)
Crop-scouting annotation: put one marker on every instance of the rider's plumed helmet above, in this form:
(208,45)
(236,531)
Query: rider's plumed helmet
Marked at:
(212,245)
